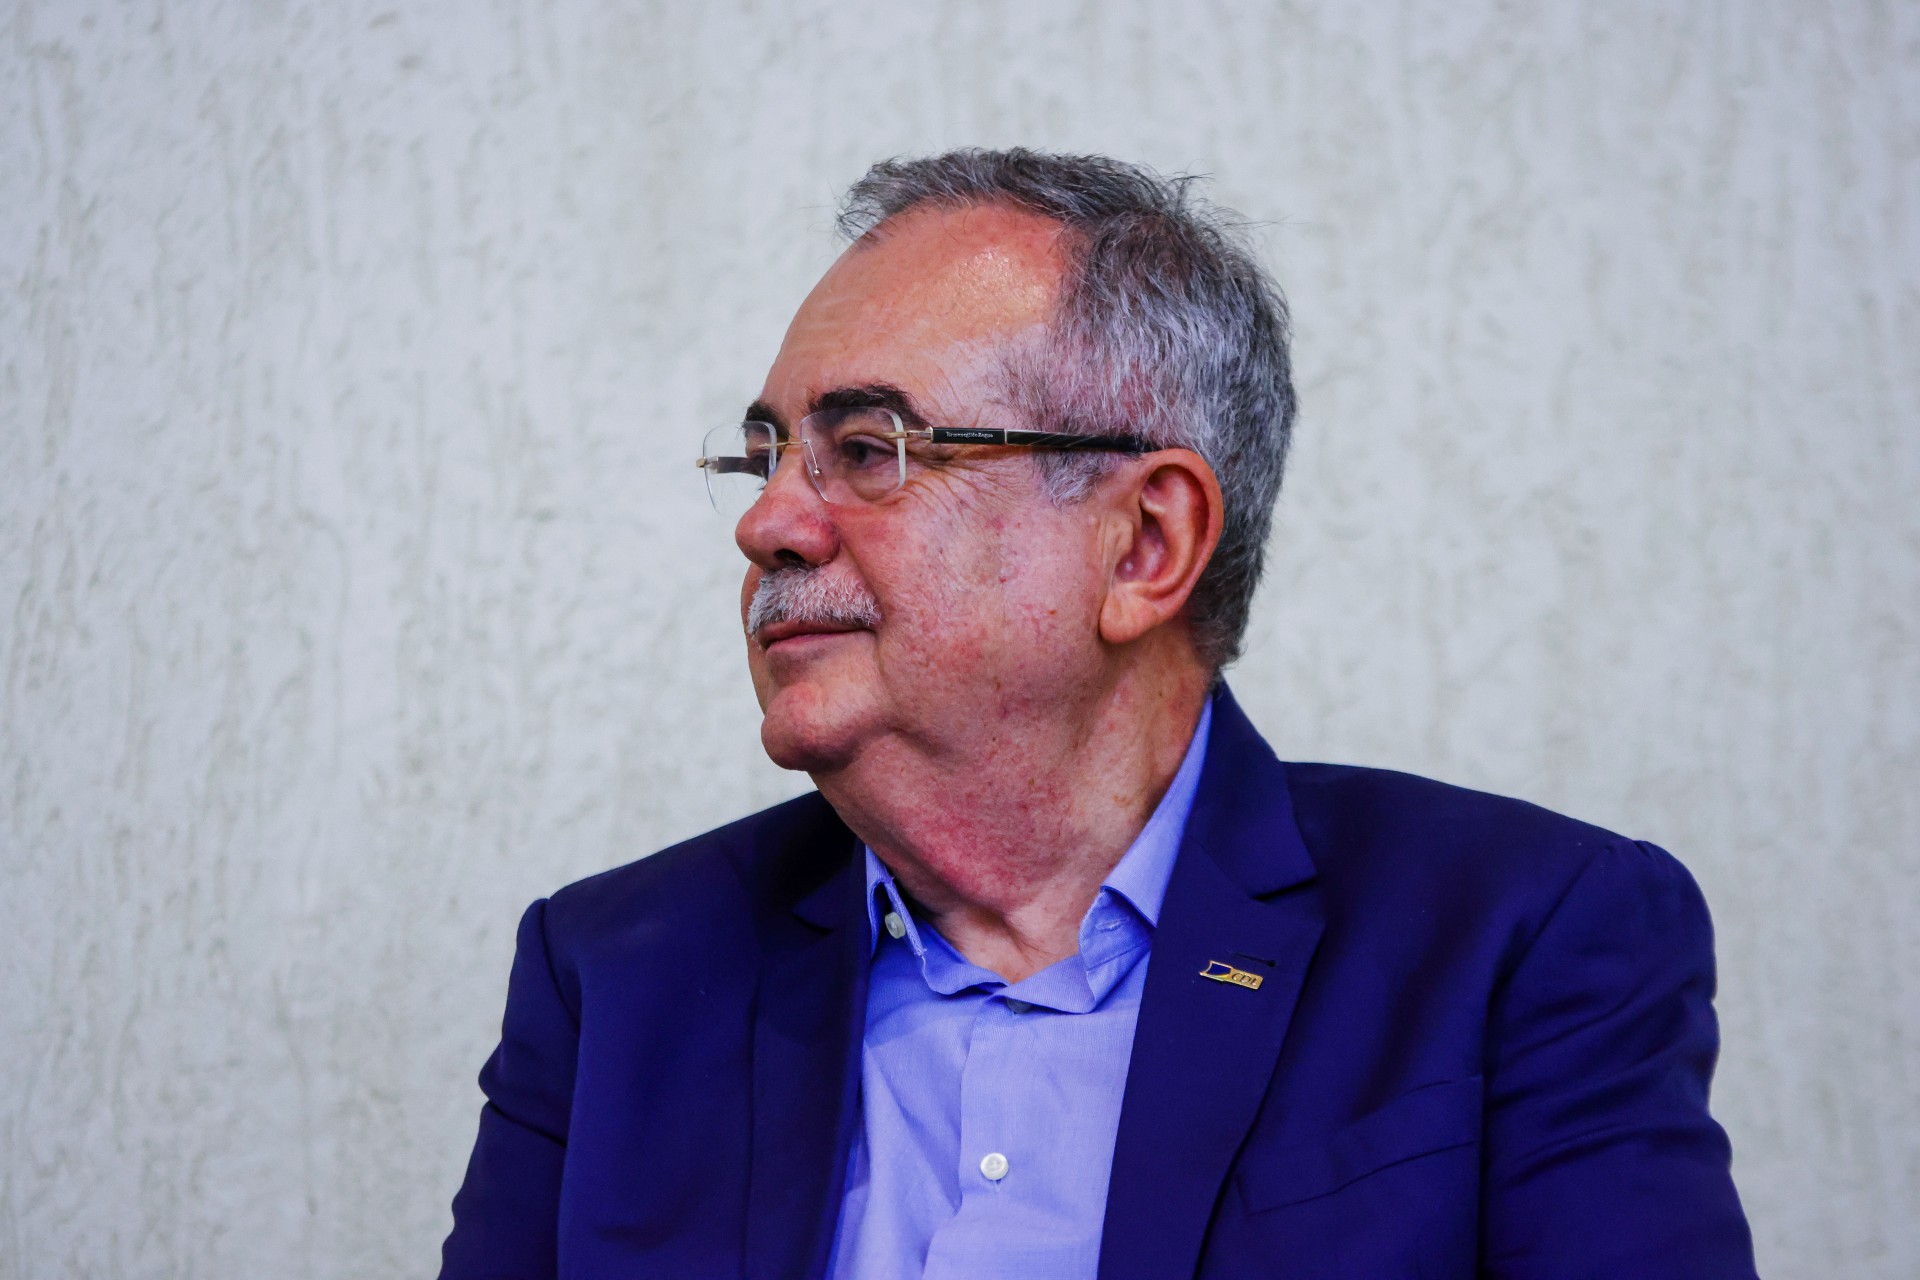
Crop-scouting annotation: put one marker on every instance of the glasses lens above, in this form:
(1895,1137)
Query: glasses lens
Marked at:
(855,454)
(737,460)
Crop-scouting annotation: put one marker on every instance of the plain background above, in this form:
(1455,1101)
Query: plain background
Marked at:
(357,587)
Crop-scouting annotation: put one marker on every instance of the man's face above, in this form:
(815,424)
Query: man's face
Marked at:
(987,593)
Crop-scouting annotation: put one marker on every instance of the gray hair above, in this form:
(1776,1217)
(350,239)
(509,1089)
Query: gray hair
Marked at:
(1168,328)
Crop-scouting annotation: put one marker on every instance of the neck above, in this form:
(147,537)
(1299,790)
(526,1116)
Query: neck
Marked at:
(1003,838)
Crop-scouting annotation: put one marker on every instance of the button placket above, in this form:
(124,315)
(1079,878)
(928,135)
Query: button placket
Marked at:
(983,1113)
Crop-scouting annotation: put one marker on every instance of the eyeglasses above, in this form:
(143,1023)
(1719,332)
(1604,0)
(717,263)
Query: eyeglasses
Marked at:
(857,455)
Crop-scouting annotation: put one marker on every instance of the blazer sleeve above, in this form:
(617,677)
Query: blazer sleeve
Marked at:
(1601,1157)
(506,1215)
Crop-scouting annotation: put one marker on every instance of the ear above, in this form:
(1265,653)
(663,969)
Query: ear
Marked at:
(1170,516)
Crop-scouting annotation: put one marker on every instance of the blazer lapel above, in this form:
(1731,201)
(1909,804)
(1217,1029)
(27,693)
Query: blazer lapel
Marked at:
(1241,897)
(809,1018)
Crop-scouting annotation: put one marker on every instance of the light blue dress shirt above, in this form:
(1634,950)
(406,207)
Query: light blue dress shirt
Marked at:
(989,1110)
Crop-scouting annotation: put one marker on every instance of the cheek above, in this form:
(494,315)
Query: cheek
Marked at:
(1009,593)
(1048,569)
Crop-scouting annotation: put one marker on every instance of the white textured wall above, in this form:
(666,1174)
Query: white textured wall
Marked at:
(355,589)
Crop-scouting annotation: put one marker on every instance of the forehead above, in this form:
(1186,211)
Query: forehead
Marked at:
(921,301)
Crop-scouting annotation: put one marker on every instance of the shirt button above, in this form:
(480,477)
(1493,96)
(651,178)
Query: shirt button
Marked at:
(994,1166)
(1019,1006)
(896,927)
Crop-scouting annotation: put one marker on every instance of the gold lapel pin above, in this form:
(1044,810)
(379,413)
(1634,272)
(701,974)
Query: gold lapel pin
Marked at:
(1221,971)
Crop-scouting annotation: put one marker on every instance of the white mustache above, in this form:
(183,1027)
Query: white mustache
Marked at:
(802,595)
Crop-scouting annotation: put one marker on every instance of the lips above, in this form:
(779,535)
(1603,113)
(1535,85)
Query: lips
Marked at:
(774,632)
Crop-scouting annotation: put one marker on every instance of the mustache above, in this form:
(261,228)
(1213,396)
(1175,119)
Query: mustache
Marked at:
(796,594)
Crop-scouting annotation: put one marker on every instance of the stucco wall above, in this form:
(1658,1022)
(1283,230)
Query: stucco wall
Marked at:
(356,589)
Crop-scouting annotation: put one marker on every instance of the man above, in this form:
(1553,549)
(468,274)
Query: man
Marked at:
(1061,973)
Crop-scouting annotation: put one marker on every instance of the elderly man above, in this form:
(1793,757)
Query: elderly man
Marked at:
(1061,973)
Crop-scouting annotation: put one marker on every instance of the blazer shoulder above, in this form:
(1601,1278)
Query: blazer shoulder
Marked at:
(1364,824)
(764,861)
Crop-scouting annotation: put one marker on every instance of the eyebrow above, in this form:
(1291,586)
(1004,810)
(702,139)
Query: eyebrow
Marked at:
(865,395)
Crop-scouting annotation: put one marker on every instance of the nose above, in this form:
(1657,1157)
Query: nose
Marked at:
(789,524)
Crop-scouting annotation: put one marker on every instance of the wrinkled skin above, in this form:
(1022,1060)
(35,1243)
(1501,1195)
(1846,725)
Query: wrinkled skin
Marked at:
(1005,729)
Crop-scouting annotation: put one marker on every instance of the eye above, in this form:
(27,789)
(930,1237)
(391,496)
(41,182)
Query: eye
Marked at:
(865,453)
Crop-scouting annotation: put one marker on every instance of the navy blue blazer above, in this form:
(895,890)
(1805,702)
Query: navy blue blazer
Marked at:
(1480,1046)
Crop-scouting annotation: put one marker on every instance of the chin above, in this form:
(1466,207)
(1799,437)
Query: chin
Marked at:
(809,730)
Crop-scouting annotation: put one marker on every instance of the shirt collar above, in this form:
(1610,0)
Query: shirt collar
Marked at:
(1141,875)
